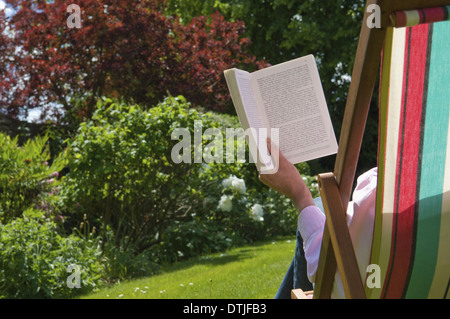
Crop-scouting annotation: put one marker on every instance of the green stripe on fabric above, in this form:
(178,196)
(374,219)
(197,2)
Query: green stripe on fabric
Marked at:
(433,164)
(384,103)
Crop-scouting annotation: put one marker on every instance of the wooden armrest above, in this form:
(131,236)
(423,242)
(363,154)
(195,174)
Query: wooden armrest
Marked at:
(300,294)
(339,236)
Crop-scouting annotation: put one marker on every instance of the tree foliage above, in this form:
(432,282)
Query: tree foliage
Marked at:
(281,30)
(126,49)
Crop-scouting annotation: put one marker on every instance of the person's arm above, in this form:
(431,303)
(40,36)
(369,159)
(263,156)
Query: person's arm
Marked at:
(287,181)
(311,221)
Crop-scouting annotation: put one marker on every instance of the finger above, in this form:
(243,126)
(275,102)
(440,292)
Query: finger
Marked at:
(274,153)
(269,145)
(273,148)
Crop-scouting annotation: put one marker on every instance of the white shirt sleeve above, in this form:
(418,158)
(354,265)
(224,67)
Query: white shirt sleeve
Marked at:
(310,224)
(360,219)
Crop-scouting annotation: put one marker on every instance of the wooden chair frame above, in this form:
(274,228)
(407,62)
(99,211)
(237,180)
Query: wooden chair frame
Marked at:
(335,188)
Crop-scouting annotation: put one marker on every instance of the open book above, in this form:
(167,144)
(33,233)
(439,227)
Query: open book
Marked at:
(286,103)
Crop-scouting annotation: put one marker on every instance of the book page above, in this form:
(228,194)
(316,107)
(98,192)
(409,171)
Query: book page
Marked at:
(248,99)
(257,138)
(292,97)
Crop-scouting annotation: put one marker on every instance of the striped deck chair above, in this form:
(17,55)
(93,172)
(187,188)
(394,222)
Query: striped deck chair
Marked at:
(412,224)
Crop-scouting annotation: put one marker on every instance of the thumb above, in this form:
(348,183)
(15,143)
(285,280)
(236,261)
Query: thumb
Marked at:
(272,147)
(274,152)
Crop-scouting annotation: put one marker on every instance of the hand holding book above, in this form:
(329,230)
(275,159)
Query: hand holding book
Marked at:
(287,99)
(287,180)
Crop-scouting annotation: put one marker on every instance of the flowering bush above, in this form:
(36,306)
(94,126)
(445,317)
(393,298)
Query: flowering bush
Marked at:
(257,212)
(247,207)
(235,183)
(225,203)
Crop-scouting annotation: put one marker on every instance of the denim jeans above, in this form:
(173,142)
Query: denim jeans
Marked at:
(296,276)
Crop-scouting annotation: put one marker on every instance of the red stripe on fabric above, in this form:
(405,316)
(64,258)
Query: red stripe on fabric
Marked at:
(434,14)
(399,161)
(400,17)
(409,143)
(421,16)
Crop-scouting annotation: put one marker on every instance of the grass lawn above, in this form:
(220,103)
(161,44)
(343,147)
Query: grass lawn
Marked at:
(250,272)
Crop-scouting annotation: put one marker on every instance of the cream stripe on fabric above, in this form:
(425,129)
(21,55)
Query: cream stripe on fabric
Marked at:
(384,101)
(412,18)
(393,122)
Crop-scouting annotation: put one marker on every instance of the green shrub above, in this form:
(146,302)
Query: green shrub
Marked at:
(25,174)
(183,240)
(122,177)
(34,259)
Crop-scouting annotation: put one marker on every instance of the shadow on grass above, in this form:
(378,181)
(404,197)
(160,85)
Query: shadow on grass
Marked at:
(235,254)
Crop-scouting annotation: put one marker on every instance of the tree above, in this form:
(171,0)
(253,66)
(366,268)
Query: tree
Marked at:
(208,45)
(281,30)
(125,49)
(5,49)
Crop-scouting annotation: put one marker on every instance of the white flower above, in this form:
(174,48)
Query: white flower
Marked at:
(225,203)
(257,212)
(239,185)
(235,183)
(227,182)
